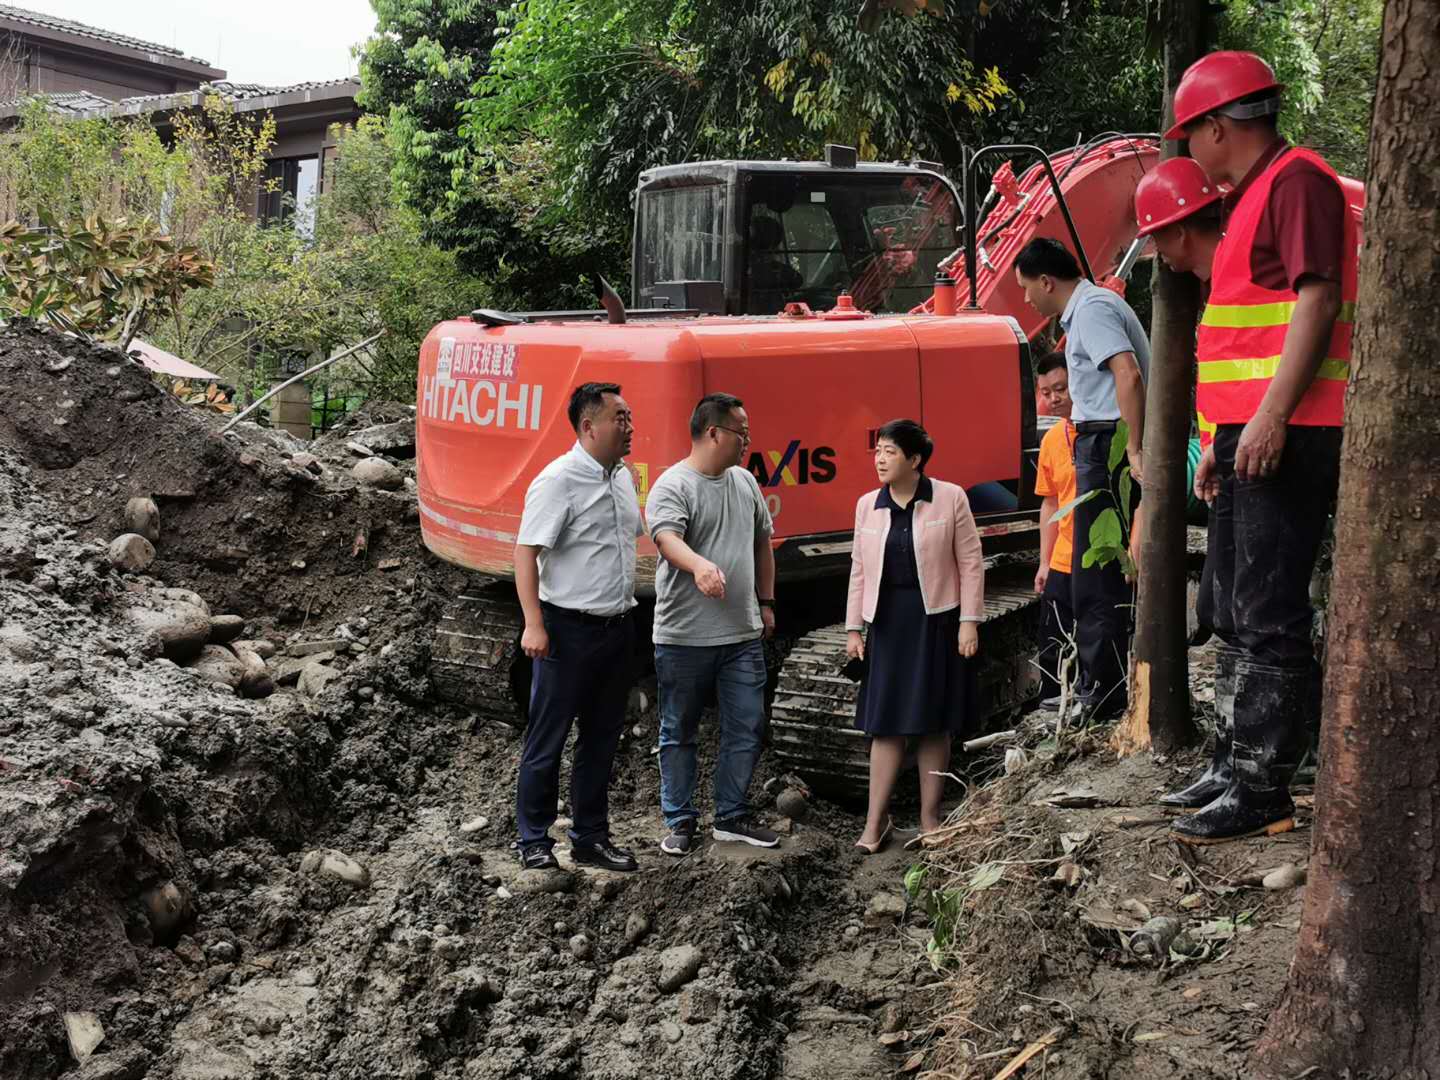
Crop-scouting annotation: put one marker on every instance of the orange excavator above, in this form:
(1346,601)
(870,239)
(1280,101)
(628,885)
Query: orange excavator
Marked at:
(831,296)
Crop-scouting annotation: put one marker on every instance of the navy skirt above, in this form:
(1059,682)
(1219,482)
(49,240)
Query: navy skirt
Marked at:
(915,682)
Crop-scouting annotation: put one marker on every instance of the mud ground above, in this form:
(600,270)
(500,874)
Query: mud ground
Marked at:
(281,887)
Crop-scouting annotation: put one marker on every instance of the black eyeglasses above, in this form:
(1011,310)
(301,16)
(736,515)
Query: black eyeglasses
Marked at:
(743,436)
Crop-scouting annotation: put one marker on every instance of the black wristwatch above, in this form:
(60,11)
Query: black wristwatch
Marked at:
(765,603)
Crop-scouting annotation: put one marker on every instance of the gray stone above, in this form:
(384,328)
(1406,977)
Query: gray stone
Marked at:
(309,462)
(534,882)
(256,682)
(19,644)
(180,627)
(131,553)
(143,516)
(580,947)
(450,948)
(397,439)
(260,647)
(225,628)
(378,473)
(636,927)
(218,664)
(84,1033)
(336,864)
(792,804)
(698,1005)
(678,965)
(475,824)
(315,677)
(305,977)
(884,908)
(166,906)
(129,1063)
(1285,876)
(359,449)
(671,1032)
(287,672)
(311,648)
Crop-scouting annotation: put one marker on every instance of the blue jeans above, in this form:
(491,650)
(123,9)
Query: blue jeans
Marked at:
(685,675)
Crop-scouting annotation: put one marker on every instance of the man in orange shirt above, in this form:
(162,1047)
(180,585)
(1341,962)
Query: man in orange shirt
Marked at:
(1055,484)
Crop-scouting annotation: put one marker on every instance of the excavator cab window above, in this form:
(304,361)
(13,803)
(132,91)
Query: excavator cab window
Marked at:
(681,244)
(812,235)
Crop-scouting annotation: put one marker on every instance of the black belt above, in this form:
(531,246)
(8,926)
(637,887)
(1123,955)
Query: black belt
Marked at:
(584,616)
(1093,427)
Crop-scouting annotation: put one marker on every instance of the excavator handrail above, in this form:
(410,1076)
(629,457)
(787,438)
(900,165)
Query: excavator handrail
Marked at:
(971,210)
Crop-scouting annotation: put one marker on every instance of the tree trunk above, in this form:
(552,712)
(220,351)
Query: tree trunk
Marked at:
(1364,989)
(1159,714)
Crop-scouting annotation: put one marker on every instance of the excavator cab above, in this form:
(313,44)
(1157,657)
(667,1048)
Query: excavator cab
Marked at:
(750,237)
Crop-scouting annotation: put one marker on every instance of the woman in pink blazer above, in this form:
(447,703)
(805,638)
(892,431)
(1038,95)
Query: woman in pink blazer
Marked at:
(917,591)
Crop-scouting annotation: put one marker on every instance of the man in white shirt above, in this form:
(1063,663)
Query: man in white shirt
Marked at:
(575,573)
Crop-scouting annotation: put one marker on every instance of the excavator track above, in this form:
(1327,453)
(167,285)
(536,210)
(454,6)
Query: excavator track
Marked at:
(474,658)
(812,717)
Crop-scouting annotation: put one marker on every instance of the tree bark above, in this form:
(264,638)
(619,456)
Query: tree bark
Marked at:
(1159,713)
(1364,988)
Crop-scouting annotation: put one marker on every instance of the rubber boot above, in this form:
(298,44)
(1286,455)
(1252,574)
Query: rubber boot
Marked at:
(1269,740)
(1216,777)
(1310,764)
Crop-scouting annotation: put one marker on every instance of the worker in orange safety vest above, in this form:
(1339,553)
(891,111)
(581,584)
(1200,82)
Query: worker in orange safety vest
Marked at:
(1273,357)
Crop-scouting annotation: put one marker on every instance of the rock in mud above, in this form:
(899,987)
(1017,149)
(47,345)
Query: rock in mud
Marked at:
(315,648)
(397,439)
(225,628)
(1154,938)
(474,825)
(792,804)
(259,646)
(256,682)
(181,627)
(143,516)
(580,947)
(131,553)
(315,677)
(287,672)
(219,665)
(1285,876)
(84,1033)
(884,908)
(636,927)
(130,1063)
(678,965)
(534,882)
(698,1005)
(336,864)
(378,473)
(166,907)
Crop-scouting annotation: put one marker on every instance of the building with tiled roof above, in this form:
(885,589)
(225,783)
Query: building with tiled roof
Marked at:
(84,72)
(42,54)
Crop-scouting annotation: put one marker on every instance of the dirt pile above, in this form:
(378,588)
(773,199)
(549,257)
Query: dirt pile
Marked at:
(317,881)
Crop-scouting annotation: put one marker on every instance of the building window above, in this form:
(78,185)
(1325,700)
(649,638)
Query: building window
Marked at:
(288,192)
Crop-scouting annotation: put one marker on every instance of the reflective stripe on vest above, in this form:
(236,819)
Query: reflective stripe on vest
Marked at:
(1242,331)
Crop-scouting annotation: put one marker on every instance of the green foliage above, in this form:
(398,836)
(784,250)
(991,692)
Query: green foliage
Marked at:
(101,280)
(1109,537)
(268,293)
(528,172)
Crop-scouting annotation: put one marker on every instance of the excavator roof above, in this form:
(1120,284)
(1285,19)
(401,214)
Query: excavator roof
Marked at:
(702,170)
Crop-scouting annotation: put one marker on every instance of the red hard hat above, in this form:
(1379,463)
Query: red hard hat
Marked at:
(1171,192)
(1215,80)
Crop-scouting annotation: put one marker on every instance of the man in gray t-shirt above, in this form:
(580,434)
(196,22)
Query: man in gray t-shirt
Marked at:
(714,601)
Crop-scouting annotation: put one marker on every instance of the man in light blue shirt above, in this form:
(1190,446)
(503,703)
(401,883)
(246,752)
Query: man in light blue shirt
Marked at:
(1107,357)
(575,574)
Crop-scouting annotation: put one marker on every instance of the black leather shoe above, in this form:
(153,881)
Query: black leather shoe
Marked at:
(537,857)
(604,855)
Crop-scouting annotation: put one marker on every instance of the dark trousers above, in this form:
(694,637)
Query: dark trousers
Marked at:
(1264,539)
(586,676)
(1104,607)
(1057,627)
